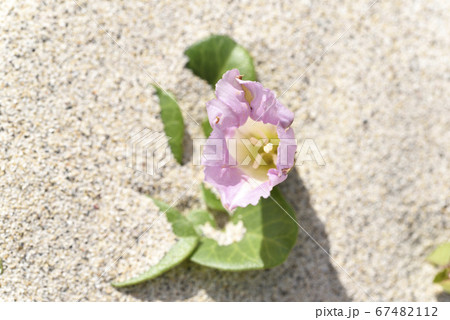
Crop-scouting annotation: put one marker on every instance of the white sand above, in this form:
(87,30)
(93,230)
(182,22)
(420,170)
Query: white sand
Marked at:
(377,104)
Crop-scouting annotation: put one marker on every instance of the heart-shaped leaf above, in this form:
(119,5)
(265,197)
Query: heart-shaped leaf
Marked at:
(270,236)
(177,254)
(173,122)
(184,247)
(441,255)
(211,200)
(209,59)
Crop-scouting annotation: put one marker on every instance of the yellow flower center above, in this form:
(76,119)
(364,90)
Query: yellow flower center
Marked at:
(256,146)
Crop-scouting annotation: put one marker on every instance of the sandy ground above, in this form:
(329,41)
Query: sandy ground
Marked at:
(371,87)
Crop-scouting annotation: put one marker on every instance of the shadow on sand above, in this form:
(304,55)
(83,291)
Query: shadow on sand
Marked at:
(307,275)
(443,297)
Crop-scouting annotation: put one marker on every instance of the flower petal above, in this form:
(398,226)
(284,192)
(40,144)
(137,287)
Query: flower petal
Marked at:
(220,115)
(236,101)
(230,92)
(286,149)
(235,188)
(265,107)
(215,151)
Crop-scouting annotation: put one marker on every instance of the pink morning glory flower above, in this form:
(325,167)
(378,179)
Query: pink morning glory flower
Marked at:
(252,146)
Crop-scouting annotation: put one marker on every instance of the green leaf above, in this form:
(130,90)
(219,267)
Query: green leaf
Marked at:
(211,200)
(177,254)
(184,247)
(270,236)
(441,276)
(173,122)
(443,279)
(441,255)
(181,226)
(209,59)
(200,217)
(206,127)
(1,266)
(445,285)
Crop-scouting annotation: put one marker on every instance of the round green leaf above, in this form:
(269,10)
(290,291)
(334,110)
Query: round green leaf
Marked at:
(270,236)
(209,59)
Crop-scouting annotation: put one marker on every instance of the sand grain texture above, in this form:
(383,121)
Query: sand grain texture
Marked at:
(74,81)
